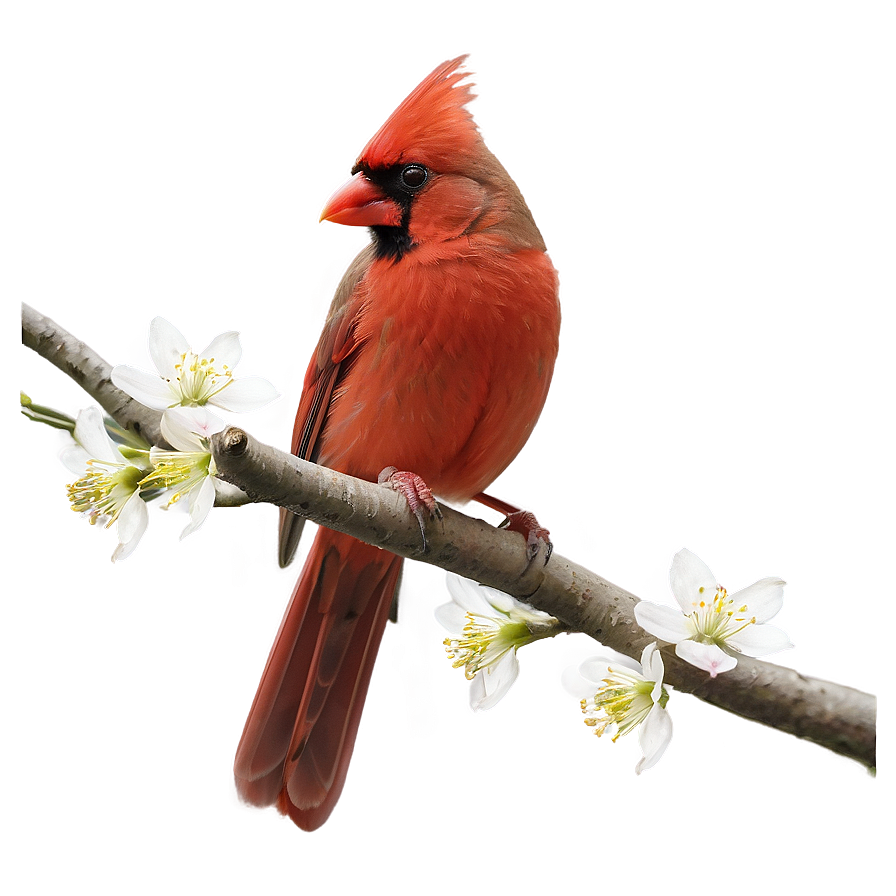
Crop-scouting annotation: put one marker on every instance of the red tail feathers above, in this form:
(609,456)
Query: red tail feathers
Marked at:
(299,735)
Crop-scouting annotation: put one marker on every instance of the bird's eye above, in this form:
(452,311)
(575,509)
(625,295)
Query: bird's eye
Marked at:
(413,176)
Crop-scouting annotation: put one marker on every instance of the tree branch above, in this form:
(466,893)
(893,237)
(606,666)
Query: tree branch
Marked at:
(91,372)
(832,715)
(837,717)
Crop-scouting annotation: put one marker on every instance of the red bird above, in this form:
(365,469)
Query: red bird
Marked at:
(435,358)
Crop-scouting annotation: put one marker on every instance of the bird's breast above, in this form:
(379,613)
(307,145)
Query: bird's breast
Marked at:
(454,359)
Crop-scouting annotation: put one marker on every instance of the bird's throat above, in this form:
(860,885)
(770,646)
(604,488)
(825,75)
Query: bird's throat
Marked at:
(391,243)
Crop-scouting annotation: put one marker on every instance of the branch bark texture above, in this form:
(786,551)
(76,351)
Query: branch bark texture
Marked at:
(91,372)
(837,717)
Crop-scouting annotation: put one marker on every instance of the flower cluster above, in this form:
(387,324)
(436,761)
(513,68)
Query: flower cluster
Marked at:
(118,476)
(617,694)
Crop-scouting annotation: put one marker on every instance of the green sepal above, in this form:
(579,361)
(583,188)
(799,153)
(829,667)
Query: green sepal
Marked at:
(41,414)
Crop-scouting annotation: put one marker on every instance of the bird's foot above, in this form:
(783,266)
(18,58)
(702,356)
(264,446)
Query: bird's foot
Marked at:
(416,492)
(538,539)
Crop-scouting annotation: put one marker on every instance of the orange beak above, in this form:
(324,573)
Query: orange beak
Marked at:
(361,203)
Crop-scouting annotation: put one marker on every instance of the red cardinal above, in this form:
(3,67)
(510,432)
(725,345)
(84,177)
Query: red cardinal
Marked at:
(435,358)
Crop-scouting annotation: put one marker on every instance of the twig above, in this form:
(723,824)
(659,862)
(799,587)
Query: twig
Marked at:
(835,716)
(77,360)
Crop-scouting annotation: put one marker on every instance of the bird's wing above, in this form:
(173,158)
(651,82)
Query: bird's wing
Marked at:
(328,365)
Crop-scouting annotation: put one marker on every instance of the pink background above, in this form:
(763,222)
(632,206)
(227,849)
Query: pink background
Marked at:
(715,185)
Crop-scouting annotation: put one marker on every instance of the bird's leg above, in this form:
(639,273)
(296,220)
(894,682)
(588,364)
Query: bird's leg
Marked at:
(416,492)
(538,538)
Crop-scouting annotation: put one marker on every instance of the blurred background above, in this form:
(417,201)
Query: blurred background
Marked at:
(715,184)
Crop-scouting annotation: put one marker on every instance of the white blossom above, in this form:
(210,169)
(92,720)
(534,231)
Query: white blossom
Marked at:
(712,627)
(618,695)
(488,627)
(189,379)
(108,489)
(188,471)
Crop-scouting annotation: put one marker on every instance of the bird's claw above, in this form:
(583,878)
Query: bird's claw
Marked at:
(538,538)
(416,492)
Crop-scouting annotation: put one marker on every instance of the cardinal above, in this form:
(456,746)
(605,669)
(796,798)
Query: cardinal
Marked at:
(431,371)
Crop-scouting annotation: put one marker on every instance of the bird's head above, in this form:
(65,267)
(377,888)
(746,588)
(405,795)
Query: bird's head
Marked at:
(426,176)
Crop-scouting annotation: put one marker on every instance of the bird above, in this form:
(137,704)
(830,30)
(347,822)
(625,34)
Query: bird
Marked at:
(431,371)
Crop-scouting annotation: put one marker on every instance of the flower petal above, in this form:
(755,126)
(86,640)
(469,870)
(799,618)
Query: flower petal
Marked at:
(206,423)
(691,580)
(452,617)
(246,394)
(496,681)
(75,458)
(654,736)
(759,640)
(664,622)
(498,600)
(124,550)
(225,350)
(593,671)
(763,598)
(133,520)
(188,429)
(646,657)
(576,685)
(477,690)
(652,665)
(201,502)
(132,523)
(167,346)
(149,390)
(709,657)
(536,620)
(467,594)
(90,433)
